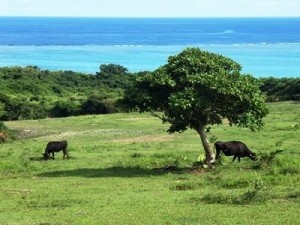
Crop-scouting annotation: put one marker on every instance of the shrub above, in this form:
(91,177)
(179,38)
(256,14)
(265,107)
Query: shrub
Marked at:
(16,109)
(2,126)
(93,105)
(266,159)
(110,105)
(64,109)
(257,193)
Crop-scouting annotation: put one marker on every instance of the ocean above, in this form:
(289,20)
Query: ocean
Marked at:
(263,46)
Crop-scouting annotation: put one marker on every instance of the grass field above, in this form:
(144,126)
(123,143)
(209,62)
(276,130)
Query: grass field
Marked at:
(125,169)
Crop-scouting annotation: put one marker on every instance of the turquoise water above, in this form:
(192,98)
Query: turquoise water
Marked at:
(279,60)
(263,46)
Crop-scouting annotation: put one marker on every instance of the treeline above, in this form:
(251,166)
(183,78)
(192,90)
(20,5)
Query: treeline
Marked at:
(32,93)
(283,89)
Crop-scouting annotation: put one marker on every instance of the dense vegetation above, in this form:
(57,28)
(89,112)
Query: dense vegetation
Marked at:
(283,89)
(32,93)
(125,169)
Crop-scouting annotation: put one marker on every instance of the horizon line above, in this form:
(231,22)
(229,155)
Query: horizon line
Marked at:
(153,17)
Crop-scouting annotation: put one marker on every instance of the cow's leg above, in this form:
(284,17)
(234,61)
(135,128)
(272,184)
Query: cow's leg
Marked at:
(53,155)
(234,158)
(239,158)
(217,151)
(218,154)
(65,153)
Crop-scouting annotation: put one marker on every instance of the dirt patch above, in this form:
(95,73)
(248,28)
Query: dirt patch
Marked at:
(91,132)
(225,121)
(27,133)
(146,138)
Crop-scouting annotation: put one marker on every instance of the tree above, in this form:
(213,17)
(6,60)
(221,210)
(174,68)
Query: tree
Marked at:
(108,70)
(196,89)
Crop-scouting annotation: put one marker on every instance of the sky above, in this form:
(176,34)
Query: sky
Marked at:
(151,8)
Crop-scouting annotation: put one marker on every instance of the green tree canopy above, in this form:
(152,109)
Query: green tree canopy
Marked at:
(198,88)
(108,70)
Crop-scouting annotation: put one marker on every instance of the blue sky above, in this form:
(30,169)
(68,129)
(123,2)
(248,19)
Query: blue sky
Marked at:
(151,8)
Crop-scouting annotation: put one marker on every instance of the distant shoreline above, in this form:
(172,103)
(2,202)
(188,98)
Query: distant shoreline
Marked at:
(260,60)
(107,17)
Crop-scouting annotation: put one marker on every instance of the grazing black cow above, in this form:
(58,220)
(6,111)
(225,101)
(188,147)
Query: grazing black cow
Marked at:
(236,148)
(56,146)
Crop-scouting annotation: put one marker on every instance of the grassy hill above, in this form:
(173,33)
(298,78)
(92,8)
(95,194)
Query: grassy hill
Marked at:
(125,169)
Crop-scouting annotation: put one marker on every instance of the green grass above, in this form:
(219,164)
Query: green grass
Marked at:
(125,169)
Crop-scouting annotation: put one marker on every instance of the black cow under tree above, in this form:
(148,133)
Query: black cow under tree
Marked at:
(196,89)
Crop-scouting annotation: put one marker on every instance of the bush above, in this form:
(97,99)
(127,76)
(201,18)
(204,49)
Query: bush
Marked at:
(16,109)
(64,109)
(93,105)
(266,159)
(2,126)
(6,133)
(110,105)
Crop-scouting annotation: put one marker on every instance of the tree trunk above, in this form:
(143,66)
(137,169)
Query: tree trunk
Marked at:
(209,155)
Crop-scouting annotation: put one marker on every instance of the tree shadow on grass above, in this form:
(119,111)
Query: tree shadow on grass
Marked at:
(109,172)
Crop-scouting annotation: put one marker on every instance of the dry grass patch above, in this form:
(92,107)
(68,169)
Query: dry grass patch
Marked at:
(133,119)
(84,133)
(146,138)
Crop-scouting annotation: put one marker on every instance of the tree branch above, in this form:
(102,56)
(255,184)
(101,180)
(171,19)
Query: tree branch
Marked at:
(156,115)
